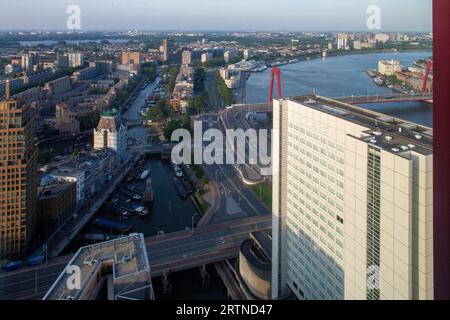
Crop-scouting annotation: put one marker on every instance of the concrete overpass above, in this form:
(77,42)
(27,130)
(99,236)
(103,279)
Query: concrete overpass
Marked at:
(169,253)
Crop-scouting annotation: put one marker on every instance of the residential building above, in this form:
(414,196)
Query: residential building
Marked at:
(62,60)
(381,37)
(29,62)
(360,45)
(66,121)
(11,68)
(206,56)
(352,203)
(342,41)
(131,61)
(57,202)
(75,59)
(186,57)
(131,58)
(229,55)
(58,86)
(389,67)
(72,175)
(167,50)
(247,54)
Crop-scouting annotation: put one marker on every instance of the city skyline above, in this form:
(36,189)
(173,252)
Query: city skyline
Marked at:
(219,163)
(350,15)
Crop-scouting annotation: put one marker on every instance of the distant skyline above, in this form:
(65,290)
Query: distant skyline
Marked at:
(217,15)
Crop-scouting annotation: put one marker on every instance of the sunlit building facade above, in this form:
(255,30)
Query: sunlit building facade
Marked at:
(352,203)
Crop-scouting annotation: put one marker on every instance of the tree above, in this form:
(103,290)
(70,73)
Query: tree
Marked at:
(159,111)
(224,91)
(196,105)
(170,128)
(186,122)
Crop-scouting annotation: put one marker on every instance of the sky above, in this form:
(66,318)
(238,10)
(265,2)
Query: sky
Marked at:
(218,15)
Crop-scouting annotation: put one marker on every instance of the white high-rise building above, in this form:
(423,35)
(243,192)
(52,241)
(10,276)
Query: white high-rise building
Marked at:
(186,57)
(76,59)
(111,133)
(342,41)
(352,203)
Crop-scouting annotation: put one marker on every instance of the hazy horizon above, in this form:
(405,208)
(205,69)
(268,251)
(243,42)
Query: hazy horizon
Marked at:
(217,15)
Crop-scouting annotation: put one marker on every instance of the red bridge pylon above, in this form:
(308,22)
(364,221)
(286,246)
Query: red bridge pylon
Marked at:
(275,72)
(427,75)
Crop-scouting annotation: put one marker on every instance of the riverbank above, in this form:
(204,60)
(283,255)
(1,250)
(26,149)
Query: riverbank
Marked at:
(316,55)
(339,76)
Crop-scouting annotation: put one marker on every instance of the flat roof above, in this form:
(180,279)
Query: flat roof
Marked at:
(391,134)
(128,256)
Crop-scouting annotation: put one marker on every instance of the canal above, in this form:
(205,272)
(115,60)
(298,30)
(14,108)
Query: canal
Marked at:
(168,213)
(342,76)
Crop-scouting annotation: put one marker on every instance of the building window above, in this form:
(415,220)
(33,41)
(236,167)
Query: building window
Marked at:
(373,223)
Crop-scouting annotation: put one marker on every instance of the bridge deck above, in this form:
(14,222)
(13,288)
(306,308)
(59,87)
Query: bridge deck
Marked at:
(168,253)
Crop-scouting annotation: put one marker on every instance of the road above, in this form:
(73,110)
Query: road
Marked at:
(169,253)
(235,199)
(215,101)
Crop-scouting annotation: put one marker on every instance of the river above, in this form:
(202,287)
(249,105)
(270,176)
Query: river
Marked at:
(342,76)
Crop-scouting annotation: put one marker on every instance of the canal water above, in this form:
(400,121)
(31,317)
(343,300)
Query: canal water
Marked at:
(169,212)
(342,76)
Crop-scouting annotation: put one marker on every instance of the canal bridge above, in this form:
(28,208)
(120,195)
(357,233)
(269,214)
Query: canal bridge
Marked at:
(167,254)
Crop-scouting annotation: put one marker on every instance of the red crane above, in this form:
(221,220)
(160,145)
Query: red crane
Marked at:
(427,75)
(275,73)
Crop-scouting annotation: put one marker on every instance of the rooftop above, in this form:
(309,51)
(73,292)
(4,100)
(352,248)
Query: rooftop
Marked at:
(391,134)
(52,190)
(126,256)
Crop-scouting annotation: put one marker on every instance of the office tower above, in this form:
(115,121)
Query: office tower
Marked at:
(352,203)
(76,59)
(342,41)
(167,50)
(186,57)
(18,178)
(111,134)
